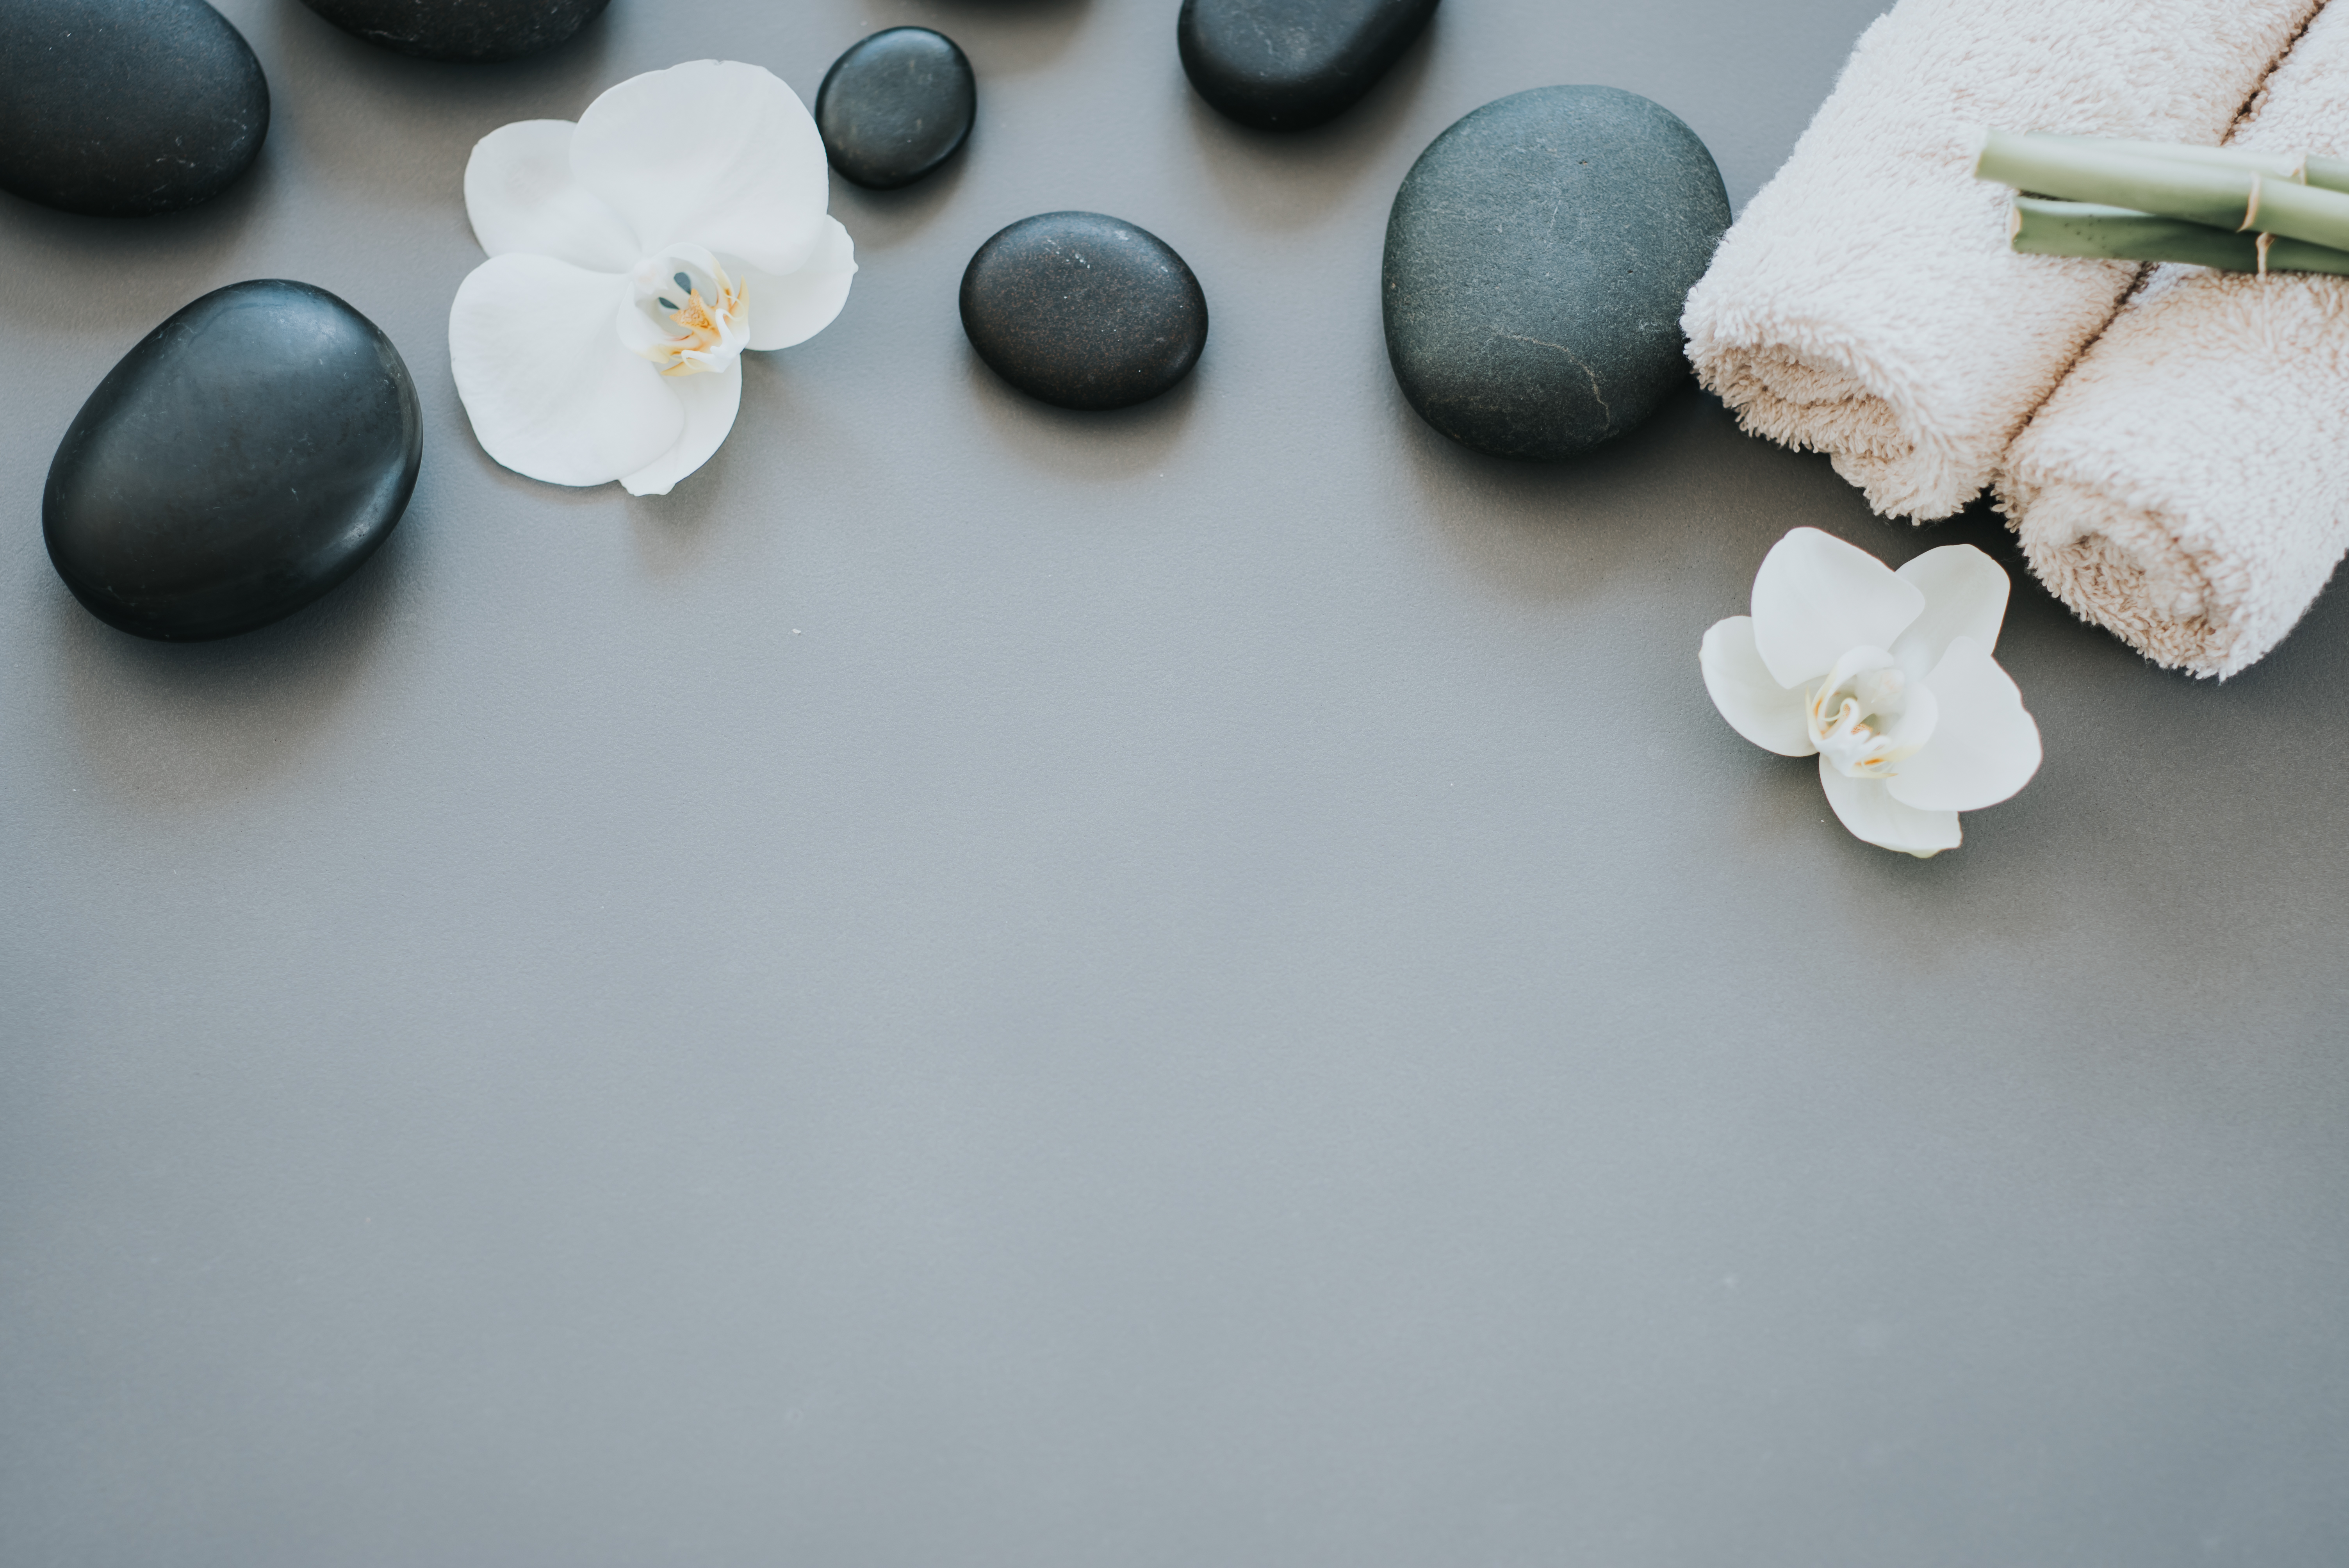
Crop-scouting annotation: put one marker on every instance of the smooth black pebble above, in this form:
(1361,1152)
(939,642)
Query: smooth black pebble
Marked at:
(895,107)
(1083,311)
(1538,258)
(122,108)
(1285,65)
(242,460)
(461,29)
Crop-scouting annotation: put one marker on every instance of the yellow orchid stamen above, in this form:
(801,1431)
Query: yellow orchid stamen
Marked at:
(710,327)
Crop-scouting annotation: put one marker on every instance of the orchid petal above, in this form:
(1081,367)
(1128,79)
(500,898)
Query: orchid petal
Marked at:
(521,195)
(1965,596)
(549,389)
(1986,746)
(1766,713)
(1865,806)
(713,152)
(794,306)
(1816,596)
(709,400)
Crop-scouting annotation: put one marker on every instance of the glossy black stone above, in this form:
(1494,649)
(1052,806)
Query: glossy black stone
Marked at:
(1285,65)
(242,460)
(461,29)
(895,106)
(1537,257)
(125,107)
(1085,311)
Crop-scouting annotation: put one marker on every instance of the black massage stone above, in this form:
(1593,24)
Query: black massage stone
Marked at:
(895,107)
(1538,258)
(1085,311)
(121,109)
(461,29)
(246,457)
(1285,65)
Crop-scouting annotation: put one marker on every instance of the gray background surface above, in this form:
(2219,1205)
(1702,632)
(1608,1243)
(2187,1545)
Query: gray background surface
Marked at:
(982,986)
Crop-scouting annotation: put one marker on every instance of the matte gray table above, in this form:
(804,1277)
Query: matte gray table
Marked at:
(1199,986)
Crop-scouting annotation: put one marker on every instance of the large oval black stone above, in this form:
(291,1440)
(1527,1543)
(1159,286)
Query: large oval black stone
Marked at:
(1285,65)
(125,107)
(242,460)
(1537,257)
(461,29)
(1085,311)
(895,106)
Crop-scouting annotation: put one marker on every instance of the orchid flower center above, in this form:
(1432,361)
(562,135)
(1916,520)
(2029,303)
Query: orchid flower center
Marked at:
(684,313)
(1868,716)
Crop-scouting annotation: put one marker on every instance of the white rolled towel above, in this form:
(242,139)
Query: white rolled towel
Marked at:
(2187,485)
(1866,304)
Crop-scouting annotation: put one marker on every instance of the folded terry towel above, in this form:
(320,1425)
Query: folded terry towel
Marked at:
(1866,303)
(2186,486)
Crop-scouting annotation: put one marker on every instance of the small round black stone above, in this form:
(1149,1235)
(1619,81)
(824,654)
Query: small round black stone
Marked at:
(895,106)
(1083,311)
(125,107)
(461,29)
(1538,258)
(248,454)
(1286,65)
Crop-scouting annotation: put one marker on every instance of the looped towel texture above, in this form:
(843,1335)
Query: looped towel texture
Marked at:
(2187,485)
(1865,303)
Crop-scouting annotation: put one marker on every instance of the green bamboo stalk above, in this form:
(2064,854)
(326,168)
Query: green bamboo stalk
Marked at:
(2044,228)
(2220,196)
(2326,173)
(2275,165)
(2300,212)
(2312,169)
(2071,170)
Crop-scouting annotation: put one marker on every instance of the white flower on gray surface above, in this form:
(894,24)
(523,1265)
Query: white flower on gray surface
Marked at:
(633,257)
(1887,675)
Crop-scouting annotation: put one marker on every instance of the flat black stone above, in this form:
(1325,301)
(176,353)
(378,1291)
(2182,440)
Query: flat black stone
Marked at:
(1085,311)
(1538,258)
(461,29)
(895,106)
(125,107)
(1285,65)
(242,460)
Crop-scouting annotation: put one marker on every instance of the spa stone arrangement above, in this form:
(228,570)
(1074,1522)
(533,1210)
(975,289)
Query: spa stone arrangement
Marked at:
(1554,262)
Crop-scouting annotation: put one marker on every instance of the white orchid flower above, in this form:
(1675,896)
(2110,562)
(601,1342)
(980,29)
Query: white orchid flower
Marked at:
(1887,675)
(633,257)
